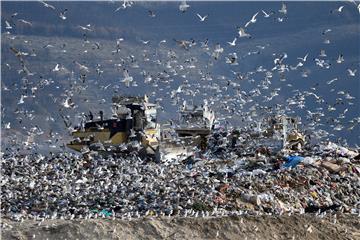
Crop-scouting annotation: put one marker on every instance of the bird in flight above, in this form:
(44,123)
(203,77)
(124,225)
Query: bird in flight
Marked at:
(25,22)
(183,6)
(339,9)
(47,5)
(202,19)
(304,58)
(242,33)
(283,9)
(85,28)
(352,72)
(62,14)
(266,15)
(8,26)
(252,20)
(233,43)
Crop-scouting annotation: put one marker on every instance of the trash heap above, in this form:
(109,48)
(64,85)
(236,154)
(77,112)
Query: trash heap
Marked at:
(225,179)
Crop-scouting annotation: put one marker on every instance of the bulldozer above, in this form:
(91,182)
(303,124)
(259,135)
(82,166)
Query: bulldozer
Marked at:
(191,131)
(132,127)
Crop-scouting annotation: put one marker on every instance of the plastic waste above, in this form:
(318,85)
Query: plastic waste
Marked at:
(292,161)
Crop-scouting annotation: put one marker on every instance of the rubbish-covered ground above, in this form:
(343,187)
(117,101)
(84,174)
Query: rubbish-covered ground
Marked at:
(220,181)
(246,227)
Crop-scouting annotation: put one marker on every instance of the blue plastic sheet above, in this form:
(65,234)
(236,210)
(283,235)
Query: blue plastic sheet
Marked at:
(292,161)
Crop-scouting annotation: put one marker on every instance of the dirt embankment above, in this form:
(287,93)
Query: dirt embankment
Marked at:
(247,227)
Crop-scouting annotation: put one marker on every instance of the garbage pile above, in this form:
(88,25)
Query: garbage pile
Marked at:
(225,179)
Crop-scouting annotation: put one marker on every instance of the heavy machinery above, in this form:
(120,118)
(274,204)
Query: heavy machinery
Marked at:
(284,128)
(133,127)
(191,132)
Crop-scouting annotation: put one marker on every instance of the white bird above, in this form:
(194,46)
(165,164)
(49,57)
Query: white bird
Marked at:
(56,68)
(25,22)
(283,9)
(331,81)
(62,14)
(82,67)
(233,43)
(68,103)
(322,53)
(127,78)
(304,58)
(8,26)
(266,15)
(7,125)
(183,6)
(352,72)
(340,59)
(339,10)
(145,42)
(21,100)
(242,33)
(202,19)
(217,51)
(85,28)
(252,20)
(47,5)
(326,31)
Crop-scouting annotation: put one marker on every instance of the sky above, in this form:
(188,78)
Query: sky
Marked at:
(142,38)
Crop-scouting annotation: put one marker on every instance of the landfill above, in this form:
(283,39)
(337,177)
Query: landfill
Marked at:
(222,180)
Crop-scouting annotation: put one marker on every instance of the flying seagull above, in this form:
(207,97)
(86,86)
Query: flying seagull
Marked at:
(283,9)
(202,19)
(183,6)
(233,43)
(47,5)
(252,20)
(242,33)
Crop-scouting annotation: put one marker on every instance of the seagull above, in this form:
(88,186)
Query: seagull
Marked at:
(124,5)
(145,42)
(56,68)
(331,81)
(68,103)
(62,14)
(25,22)
(184,43)
(322,53)
(266,15)
(304,58)
(82,67)
(183,6)
(351,72)
(326,31)
(232,59)
(7,125)
(339,10)
(47,5)
(151,13)
(242,33)
(217,51)
(283,9)
(252,20)
(233,43)
(127,78)
(85,28)
(340,59)
(21,100)
(8,26)
(202,19)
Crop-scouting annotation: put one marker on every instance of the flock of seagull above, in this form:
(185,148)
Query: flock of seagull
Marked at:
(68,186)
